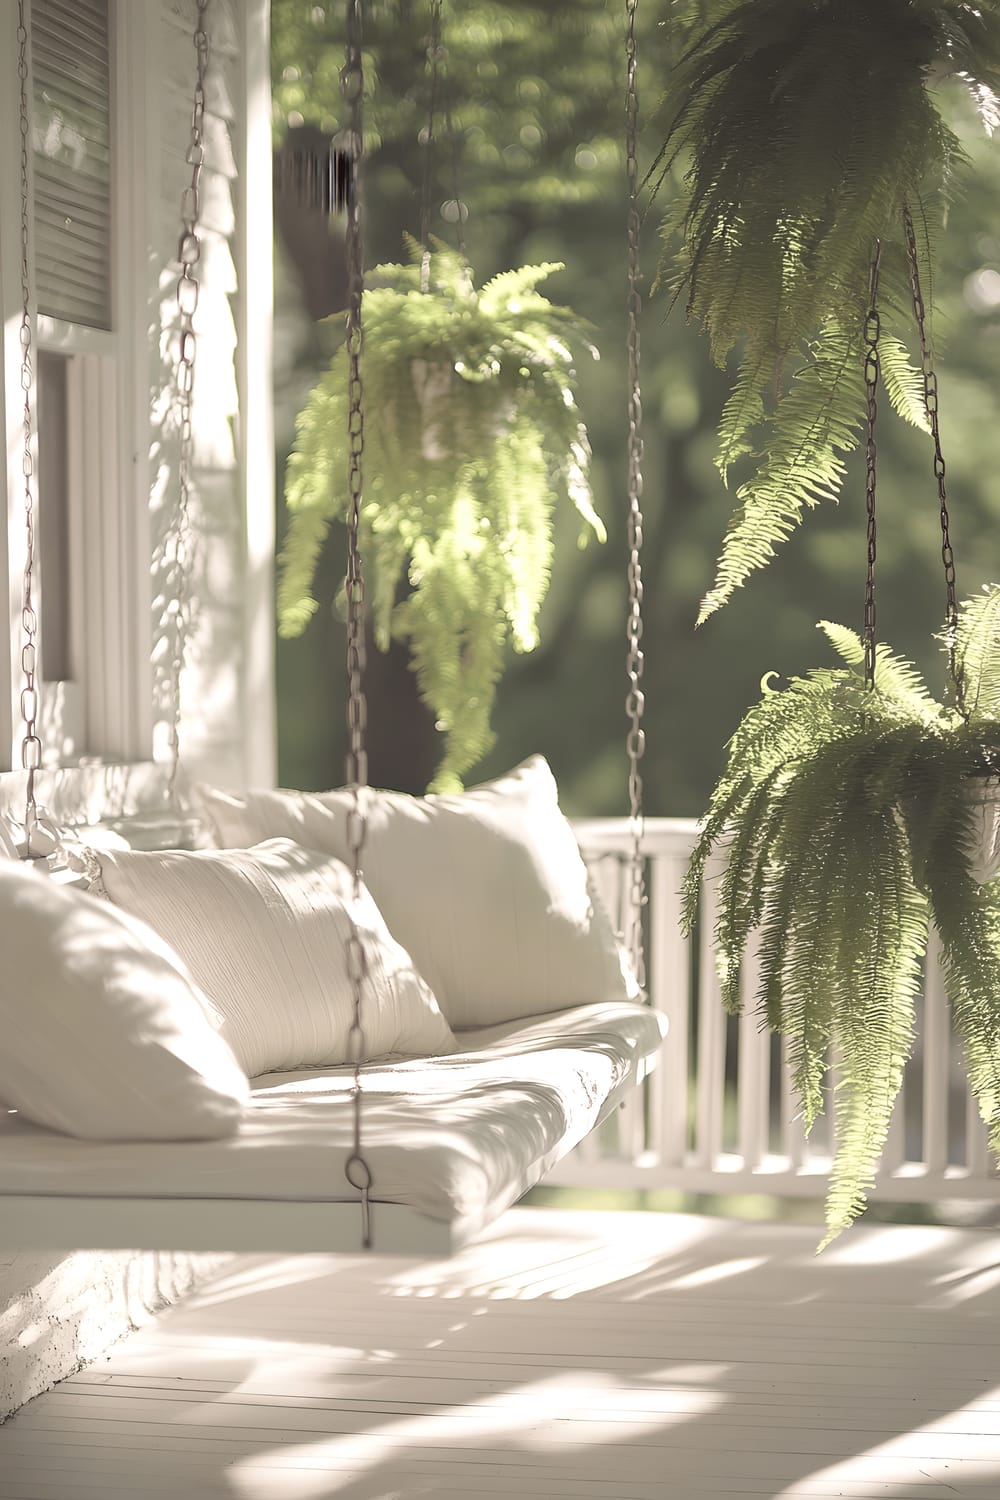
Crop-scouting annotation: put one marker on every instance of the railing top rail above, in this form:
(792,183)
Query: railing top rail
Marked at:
(614,835)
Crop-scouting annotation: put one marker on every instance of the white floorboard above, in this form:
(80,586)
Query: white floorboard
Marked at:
(567,1356)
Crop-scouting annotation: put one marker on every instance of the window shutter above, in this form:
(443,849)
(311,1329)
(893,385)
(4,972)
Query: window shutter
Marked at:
(71,77)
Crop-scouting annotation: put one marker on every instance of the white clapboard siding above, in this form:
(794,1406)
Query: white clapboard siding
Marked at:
(754,1071)
(669,966)
(936,1039)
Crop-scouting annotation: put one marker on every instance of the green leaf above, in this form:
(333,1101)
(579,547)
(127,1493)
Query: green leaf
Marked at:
(814,426)
(904,382)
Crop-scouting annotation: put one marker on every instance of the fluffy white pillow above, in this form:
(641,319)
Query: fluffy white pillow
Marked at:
(264,931)
(102,1033)
(487,888)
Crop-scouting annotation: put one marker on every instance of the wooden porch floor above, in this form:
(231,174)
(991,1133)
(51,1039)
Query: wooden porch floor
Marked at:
(568,1354)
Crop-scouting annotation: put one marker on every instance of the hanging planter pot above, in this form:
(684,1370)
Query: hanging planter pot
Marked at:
(472,436)
(983,796)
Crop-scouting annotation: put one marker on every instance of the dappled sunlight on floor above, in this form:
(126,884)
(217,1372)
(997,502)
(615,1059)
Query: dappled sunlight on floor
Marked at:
(566,1356)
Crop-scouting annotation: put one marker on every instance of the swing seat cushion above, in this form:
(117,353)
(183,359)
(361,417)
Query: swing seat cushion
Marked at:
(102,1032)
(486,889)
(456,1138)
(265,933)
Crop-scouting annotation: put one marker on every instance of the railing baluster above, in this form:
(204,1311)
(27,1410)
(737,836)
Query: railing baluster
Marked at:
(793,1136)
(753,1068)
(936,1038)
(894,1152)
(670,992)
(631,1120)
(647,1144)
(977,1153)
(710,1098)
(606,875)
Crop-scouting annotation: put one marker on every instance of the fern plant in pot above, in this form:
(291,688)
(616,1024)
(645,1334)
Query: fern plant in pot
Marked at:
(849,816)
(473,435)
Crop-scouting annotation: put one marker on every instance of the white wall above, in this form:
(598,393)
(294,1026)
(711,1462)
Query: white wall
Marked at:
(57,1312)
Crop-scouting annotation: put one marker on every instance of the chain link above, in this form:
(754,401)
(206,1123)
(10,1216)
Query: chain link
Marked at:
(188,291)
(933,416)
(635,698)
(352,82)
(31,745)
(872,333)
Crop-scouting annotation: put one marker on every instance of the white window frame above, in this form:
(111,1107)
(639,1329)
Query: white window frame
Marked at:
(115,427)
(107,707)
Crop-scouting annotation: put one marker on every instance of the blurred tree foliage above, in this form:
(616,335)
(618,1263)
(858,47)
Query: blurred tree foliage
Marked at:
(537,98)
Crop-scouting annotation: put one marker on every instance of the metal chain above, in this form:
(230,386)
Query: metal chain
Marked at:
(187,292)
(434,57)
(352,82)
(31,745)
(933,416)
(873,329)
(635,698)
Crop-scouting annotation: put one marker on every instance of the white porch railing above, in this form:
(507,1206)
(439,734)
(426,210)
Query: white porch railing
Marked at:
(717,1115)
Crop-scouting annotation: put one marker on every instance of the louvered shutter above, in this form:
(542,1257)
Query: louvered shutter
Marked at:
(71,78)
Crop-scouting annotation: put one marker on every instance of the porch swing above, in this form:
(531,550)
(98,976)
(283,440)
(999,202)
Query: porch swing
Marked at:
(415,1156)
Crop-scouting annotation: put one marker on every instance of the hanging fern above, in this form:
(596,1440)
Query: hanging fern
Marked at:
(807,129)
(472,434)
(846,823)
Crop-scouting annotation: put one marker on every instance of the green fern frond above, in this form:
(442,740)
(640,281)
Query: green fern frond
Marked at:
(895,677)
(883,921)
(847,643)
(807,130)
(744,411)
(967,916)
(307,532)
(903,382)
(842,821)
(977,652)
(477,436)
(815,425)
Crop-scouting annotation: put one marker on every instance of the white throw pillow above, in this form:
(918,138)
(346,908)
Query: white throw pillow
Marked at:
(102,1032)
(264,931)
(486,888)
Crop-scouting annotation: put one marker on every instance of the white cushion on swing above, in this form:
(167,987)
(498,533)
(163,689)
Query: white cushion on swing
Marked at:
(486,889)
(264,932)
(457,1138)
(102,1032)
